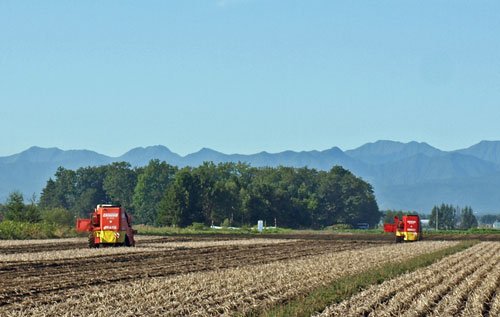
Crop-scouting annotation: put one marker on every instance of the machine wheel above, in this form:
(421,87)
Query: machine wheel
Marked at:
(91,242)
(399,239)
(127,241)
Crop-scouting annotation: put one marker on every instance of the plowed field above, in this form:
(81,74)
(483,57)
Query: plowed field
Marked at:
(464,284)
(179,276)
(26,278)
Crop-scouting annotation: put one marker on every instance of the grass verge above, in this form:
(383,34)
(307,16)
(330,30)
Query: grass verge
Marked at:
(464,232)
(26,230)
(347,286)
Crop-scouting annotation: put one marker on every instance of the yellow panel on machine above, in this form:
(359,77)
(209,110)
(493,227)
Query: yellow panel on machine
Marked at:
(411,236)
(106,236)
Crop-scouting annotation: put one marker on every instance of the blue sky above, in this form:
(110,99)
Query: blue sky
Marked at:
(243,76)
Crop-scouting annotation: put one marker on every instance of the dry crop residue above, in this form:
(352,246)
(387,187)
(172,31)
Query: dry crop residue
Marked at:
(46,245)
(240,279)
(146,246)
(463,284)
(50,279)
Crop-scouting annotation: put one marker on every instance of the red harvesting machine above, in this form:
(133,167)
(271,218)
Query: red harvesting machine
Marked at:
(109,225)
(407,229)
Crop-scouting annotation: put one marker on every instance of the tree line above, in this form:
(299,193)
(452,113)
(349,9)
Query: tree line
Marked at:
(231,193)
(446,217)
(451,217)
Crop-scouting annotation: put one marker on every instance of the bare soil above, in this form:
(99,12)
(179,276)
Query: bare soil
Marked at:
(40,281)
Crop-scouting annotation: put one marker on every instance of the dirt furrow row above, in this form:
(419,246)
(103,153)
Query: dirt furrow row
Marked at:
(41,247)
(216,292)
(396,290)
(31,279)
(442,289)
(76,243)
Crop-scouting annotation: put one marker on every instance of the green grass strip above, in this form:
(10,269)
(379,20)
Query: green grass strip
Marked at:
(347,286)
(202,230)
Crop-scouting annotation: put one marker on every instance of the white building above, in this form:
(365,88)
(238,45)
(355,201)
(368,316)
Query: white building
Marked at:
(425,223)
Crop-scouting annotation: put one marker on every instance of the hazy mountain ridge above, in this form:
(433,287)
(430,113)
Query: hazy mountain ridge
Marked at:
(485,150)
(384,151)
(410,175)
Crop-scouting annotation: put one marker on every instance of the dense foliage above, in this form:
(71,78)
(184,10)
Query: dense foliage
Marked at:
(21,220)
(228,193)
(27,230)
(390,214)
(489,219)
(450,217)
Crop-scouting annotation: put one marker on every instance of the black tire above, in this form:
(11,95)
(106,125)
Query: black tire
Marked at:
(91,241)
(399,239)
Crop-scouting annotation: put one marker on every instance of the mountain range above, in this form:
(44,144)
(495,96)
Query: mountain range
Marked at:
(408,176)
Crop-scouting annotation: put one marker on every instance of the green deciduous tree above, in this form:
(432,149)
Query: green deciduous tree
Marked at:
(344,198)
(119,184)
(65,189)
(181,204)
(220,191)
(150,189)
(58,216)
(89,189)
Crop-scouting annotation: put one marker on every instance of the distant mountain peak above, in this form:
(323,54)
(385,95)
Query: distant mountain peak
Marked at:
(384,151)
(205,150)
(396,144)
(35,149)
(334,149)
(489,142)
(149,149)
(140,156)
(37,154)
(204,153)
(484,150)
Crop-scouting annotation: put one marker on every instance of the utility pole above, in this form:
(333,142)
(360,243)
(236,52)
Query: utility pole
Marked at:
(437,218)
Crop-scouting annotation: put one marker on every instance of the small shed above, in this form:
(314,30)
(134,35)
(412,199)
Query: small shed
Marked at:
(496,225)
